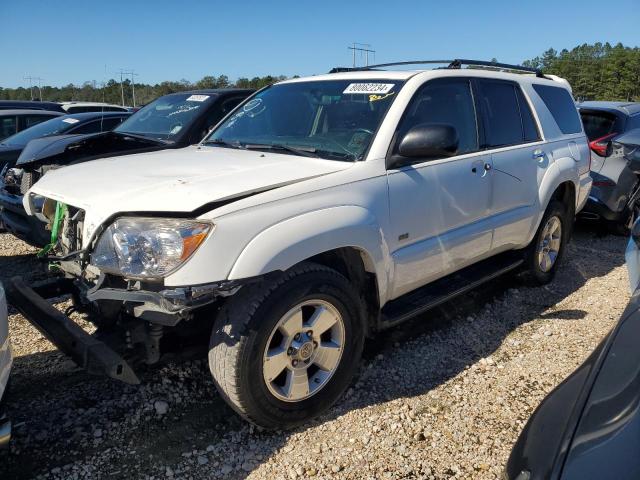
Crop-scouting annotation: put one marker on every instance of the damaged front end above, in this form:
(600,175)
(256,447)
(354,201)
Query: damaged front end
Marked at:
(137,318)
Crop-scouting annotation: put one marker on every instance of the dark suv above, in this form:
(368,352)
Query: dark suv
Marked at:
(616,186)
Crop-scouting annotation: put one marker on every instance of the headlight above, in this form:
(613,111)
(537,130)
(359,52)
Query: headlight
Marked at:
(148,247)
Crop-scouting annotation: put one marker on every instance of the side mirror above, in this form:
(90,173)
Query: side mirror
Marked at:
(429,140)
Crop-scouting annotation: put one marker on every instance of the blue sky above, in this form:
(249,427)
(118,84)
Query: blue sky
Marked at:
(71,41)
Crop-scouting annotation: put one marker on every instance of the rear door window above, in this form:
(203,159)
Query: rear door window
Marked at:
(530,129)
(110,123)
(562,107)
(503,125)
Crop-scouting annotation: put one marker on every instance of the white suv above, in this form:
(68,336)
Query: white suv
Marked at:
(320,211)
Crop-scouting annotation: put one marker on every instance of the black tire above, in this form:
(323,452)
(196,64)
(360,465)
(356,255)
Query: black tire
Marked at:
(243,328)
(534,273)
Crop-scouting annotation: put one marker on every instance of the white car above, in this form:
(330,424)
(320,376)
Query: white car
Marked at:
(320,211)
(82,107)
(6,360)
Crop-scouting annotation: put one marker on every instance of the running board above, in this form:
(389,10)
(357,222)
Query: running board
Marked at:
(442,290)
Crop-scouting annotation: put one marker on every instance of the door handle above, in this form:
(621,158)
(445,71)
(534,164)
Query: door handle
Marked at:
(538,154)
(486,167)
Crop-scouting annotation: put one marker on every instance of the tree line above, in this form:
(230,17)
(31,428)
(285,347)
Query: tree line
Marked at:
(113,92)
(596,72)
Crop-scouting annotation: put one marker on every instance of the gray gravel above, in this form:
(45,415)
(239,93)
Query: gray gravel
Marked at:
(443,396)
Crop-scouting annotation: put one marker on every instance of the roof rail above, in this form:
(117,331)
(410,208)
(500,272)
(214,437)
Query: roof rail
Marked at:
(456,63)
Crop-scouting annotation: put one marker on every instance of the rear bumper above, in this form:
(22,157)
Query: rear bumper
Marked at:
(85,350)
(595,209)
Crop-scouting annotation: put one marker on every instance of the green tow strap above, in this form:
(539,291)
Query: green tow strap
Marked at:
(61,209)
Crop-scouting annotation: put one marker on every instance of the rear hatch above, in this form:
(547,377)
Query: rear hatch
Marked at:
(601,126)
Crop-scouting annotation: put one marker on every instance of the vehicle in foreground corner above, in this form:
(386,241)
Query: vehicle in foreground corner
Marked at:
(172,121)
(15,120)
(589,426)
(615,194)
(6,360)
(320,211)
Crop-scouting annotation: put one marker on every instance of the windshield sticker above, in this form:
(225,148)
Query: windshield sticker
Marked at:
(369,88)
(175,129)
(254,107)
(375,98)
(71,120)
(197,98)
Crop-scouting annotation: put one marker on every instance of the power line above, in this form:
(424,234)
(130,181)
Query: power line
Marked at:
(39,85)
(133,74)
(364,49)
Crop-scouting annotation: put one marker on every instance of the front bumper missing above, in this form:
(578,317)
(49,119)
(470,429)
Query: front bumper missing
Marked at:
(85,350)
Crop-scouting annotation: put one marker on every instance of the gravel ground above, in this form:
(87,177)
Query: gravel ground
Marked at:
(443,396)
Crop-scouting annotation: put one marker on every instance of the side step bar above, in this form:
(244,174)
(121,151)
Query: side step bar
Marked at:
(446,288)
(91,354)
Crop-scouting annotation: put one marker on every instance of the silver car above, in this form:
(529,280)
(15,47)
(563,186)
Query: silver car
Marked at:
(6,360)
(615,192)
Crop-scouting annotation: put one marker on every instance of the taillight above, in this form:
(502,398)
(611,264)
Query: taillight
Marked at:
(599,145)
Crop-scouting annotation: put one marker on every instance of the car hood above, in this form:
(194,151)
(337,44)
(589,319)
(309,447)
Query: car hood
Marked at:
(41,149)
(181,180)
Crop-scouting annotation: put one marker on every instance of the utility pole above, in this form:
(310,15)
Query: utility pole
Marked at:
(363,48)
(133,87)
(121,88)
(30,78)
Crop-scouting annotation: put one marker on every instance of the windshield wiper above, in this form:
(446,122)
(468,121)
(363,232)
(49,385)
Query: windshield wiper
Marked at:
(223,143)
(302,151)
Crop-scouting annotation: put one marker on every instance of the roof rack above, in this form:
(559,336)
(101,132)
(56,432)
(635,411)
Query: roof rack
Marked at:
(456,63)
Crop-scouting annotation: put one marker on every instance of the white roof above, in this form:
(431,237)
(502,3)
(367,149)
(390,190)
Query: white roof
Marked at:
(433,73)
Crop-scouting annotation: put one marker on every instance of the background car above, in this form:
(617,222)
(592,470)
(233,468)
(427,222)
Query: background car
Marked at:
(30,105)
(82,123)
(14,121)
(6,360)
(81,107)
(172,121)
(612,197)
(589,426)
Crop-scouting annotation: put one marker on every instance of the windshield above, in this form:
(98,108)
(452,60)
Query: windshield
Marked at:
(55,126)
(334,119)
(165,117)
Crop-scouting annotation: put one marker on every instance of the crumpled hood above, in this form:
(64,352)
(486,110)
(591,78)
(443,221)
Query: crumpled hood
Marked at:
(79,146)
(179,180)
(44,147)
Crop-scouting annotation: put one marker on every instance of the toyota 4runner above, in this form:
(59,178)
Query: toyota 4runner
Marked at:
(320,211)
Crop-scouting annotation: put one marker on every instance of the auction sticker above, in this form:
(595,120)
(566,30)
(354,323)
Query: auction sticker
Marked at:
(197,98)
(71,120)
(368,88)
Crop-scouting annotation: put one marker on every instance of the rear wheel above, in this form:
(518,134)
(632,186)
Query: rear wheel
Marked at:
(545,251)
(283,351)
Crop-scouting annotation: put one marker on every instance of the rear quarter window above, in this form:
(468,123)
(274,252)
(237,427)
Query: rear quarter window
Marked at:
(562,107)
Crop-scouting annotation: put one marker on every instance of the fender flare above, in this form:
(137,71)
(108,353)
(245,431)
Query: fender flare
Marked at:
(562,170)
(296,239)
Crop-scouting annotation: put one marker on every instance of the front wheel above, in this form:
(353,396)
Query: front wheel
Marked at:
(284,350)
(545,251)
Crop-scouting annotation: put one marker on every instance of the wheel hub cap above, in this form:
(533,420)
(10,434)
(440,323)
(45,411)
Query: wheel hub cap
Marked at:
(550,242)
(303,351)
